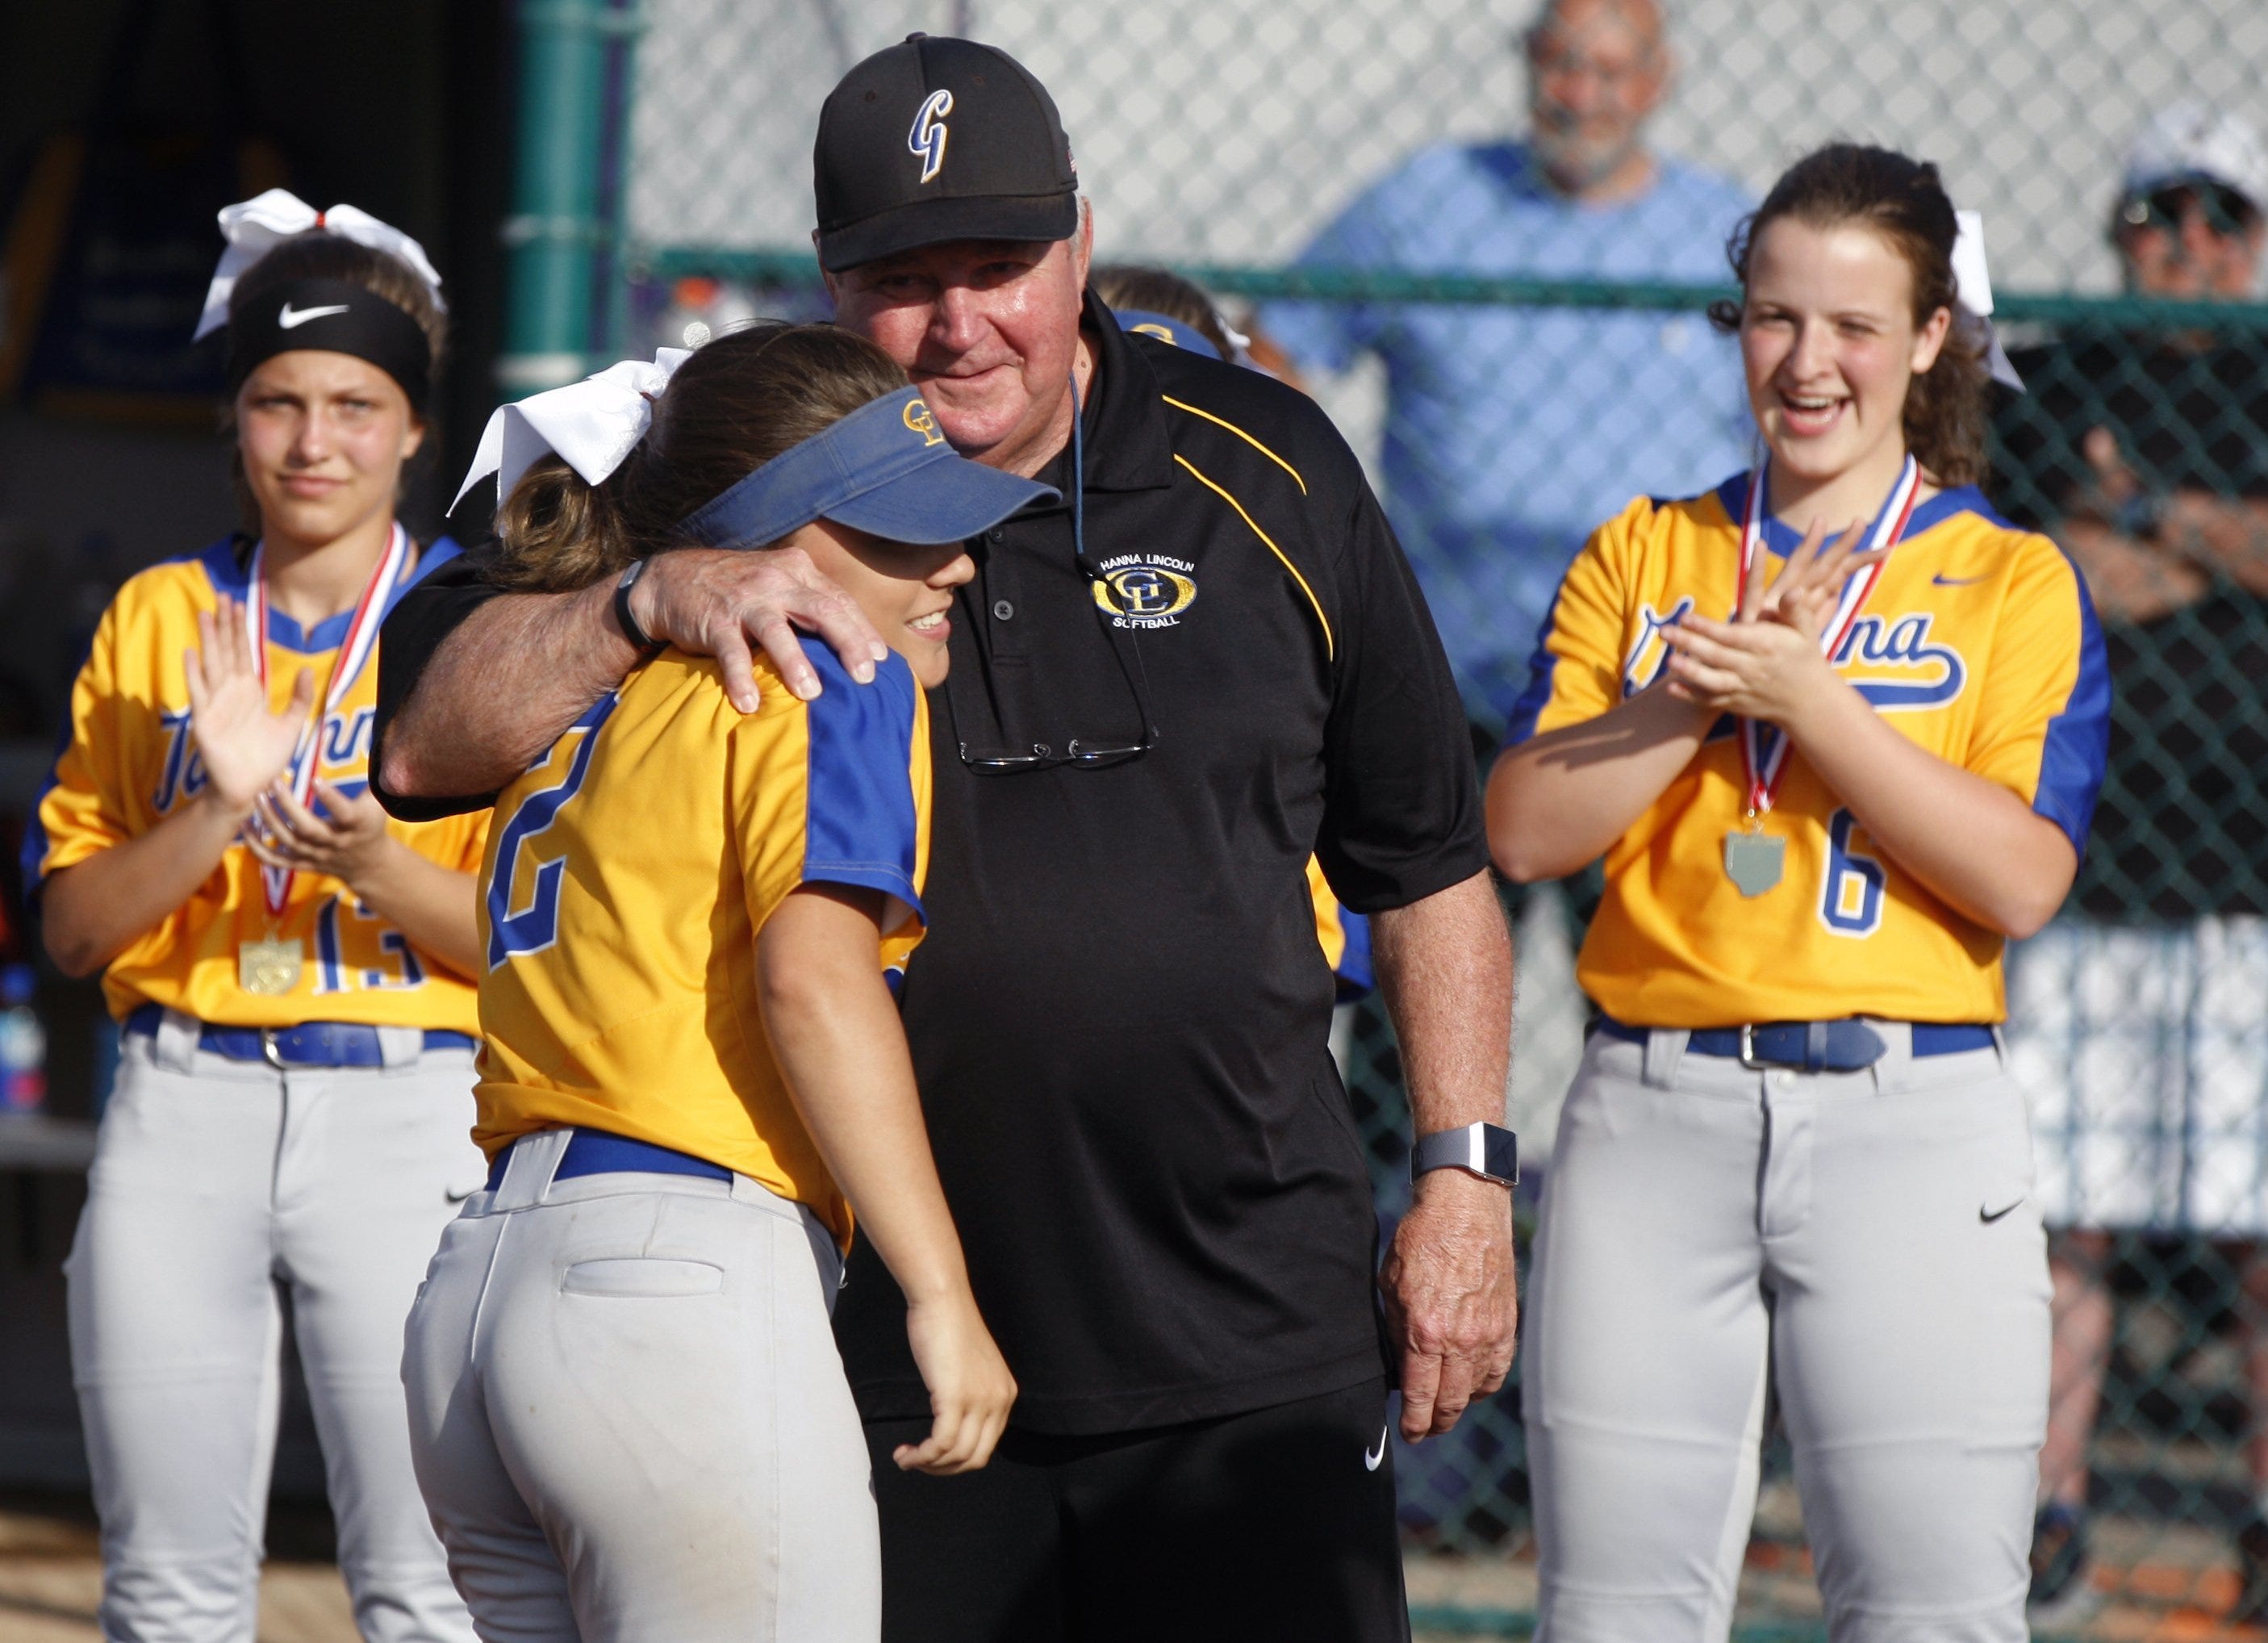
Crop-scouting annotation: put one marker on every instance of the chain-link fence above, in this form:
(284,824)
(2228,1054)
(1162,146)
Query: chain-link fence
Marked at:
(1487,251)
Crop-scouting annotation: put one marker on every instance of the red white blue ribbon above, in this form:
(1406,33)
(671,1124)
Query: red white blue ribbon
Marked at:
(1764,766)
(354,652)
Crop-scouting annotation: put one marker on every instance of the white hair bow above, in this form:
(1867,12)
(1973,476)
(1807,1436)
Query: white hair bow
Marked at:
(254,227)
(594,424)
(1972,290)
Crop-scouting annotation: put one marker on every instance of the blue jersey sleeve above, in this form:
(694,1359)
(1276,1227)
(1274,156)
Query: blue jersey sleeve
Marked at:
(861,828)
(2078,742)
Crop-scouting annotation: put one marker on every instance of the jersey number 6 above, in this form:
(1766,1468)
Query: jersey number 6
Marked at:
(1850,901)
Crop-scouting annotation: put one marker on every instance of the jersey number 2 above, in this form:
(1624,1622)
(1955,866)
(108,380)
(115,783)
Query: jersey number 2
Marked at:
(1850,901)
(535,927)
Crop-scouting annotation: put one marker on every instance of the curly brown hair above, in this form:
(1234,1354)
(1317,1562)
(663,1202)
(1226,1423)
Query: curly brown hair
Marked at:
(1947,408)
(738,402)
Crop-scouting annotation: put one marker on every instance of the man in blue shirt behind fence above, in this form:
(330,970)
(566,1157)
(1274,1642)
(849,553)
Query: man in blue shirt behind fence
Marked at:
(1510,431)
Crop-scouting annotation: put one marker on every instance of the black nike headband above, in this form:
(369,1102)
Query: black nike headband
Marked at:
(337,317)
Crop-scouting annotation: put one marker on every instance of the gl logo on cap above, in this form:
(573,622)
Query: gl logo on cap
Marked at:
(917,415)
(927,137)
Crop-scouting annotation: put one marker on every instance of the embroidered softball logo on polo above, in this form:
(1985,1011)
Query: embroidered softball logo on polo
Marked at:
(1146,590)
(927,137)
(918,418)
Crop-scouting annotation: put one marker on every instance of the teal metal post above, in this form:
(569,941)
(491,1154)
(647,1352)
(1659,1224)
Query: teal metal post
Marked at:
(555,228)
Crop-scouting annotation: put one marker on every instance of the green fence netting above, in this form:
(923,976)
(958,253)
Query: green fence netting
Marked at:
(1343,176)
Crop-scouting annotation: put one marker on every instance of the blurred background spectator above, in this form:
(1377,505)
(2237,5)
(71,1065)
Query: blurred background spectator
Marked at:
(2139,1021)
(1510,432)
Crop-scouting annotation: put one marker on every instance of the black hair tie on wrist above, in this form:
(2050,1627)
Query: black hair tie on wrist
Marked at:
(335,316)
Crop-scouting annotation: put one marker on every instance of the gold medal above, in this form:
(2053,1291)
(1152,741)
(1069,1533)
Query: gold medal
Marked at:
(268,967)
(1754,861)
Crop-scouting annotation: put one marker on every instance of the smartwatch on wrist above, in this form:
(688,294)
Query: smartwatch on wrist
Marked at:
(631,631)
(1488,1150)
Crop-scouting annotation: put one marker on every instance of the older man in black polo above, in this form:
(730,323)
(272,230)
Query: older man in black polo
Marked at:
(1207,662)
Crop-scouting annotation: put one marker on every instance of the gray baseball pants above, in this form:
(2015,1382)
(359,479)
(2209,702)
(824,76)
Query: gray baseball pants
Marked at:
(629,1419)
(219,1188)
(1866,1237)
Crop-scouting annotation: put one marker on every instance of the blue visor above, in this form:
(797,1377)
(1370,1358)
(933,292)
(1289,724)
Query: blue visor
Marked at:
(885,469)
(1167,328)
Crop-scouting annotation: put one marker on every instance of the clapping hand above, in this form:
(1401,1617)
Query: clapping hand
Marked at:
(1765,663)
(345,841)
(244,747)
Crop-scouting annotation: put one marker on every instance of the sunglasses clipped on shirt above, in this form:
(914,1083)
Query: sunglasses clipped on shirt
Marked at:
(1088,753)
(1083,752)
(2227,212)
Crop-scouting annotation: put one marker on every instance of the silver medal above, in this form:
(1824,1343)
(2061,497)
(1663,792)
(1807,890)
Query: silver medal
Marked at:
(1754,861)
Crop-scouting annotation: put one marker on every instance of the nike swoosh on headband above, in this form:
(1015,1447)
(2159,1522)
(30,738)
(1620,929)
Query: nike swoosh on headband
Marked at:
(290,318)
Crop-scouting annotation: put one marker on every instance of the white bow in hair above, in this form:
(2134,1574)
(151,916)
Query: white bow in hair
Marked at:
(594,424)
(1972,288)
(254,227)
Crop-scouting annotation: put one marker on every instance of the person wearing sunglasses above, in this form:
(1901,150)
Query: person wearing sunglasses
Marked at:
(2140,1017)
(1205,663)
(2189,221)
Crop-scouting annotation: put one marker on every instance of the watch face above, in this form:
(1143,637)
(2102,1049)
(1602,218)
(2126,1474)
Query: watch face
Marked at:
(1501,1147)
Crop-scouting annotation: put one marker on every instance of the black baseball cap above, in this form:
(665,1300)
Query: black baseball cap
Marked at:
(936,139)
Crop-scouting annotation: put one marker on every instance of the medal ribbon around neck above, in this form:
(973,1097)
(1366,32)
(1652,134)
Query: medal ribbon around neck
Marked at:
(1764,768)
(354,653)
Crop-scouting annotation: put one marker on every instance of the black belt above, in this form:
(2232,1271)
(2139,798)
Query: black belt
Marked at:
(1847,1046)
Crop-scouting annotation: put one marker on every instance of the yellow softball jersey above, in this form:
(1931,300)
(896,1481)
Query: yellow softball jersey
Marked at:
(130,762)
(1978,644)
(630,875)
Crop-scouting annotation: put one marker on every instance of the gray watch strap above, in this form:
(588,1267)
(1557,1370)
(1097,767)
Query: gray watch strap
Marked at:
(628,623)
(1486,1149)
